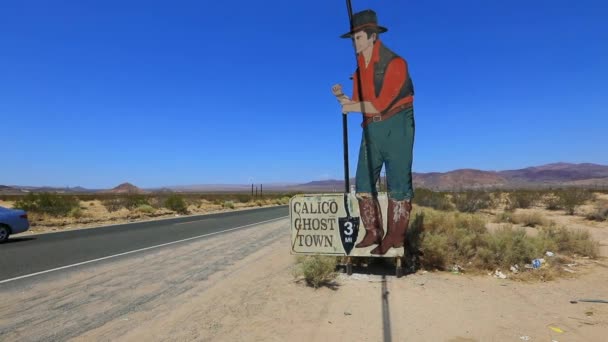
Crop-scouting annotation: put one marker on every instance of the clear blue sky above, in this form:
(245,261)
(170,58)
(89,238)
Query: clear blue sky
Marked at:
(95,93)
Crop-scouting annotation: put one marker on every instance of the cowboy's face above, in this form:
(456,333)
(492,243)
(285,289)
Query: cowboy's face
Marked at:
(361,41)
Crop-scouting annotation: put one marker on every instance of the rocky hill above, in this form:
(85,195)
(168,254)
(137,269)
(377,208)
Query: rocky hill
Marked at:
(126,188)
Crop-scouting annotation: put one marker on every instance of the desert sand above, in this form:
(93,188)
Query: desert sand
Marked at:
(239,286)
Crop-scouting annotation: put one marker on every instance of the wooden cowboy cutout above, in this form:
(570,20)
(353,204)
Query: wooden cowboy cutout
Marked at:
(383,92)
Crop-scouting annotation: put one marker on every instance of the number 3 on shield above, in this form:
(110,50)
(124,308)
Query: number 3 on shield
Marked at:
(349,228)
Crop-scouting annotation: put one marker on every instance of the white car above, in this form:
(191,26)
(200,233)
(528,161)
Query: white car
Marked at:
(12,221)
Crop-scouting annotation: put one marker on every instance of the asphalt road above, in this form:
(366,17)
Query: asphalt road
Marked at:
(24,255)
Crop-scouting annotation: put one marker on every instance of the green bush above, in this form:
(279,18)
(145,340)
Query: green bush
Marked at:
(316,269)
(228,204)
(48,203)
(146,208)
(176,203)
(506,247)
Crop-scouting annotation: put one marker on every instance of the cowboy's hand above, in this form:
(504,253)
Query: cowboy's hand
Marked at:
(337,90)
(340,96)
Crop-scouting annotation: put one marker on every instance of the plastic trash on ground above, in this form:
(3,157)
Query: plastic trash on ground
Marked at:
(499,274)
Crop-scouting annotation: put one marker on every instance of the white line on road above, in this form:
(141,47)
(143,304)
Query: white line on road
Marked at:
(135,251)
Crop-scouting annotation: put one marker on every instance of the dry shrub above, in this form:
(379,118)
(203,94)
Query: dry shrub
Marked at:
(504,217)
(450,238)
(113,204)
(523,199)
(570,199)
(472,201)
(51,204)
(228,204)
(281,201)
(76,213)
(599,213)
(567,241)
(506,247)
(316,270)
(530,219)
(176,203)
(130,202)
(432,199)
(551,270)
(456,238)
(553,203)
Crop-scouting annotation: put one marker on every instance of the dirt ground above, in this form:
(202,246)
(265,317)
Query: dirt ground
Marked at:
(239,287)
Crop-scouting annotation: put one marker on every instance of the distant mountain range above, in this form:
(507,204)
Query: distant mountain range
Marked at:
(556,174)
(550,175)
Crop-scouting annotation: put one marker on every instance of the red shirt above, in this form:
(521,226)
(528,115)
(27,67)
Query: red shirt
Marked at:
(394,79)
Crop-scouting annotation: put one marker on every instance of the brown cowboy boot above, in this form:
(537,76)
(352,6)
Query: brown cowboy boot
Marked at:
(398,220)
(369,210)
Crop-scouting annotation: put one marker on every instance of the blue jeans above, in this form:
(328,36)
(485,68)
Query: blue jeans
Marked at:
(391,143)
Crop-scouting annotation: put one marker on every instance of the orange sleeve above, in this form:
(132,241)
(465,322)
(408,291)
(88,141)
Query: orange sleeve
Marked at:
(394,78)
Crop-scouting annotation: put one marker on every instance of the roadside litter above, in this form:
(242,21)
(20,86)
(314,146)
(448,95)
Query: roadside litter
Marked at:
(457,269)
(499,274)
(556,329)
(537,263)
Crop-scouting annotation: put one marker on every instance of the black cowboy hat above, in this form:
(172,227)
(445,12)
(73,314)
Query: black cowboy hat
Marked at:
(362,20)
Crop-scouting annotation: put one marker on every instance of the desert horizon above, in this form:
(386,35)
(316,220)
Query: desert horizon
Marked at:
(553,174)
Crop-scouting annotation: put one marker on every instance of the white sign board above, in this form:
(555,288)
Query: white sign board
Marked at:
(330,224)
